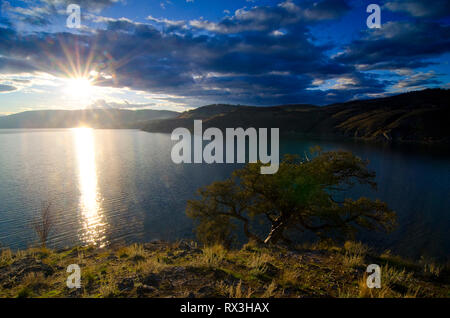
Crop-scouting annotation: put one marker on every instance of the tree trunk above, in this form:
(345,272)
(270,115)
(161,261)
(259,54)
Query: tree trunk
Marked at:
(276,233)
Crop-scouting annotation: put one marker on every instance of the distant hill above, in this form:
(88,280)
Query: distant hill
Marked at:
(421,116)
(96,118)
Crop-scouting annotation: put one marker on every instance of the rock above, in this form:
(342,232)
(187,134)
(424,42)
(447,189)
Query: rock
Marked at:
(291,254)
(289,291)
(179,269)
(180,255)
(152,280)
(191,295)
(8,285)
(155,246)
(75,292)
(184,246)
(126,284)
(219,274)
(20,268)
(196,251)
(206,291)
(112,257)
(73,253)
(177,272)
(37,268)
(145,289)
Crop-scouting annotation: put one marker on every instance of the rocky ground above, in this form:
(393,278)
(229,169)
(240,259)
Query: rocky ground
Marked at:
(182,269)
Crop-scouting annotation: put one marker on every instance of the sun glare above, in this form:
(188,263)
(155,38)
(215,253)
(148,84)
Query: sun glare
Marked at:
(79,87)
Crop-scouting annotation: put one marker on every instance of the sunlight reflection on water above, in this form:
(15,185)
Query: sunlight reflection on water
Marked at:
(92,217)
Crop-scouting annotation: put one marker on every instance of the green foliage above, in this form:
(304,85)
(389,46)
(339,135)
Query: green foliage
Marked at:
(302,195)
(222,233)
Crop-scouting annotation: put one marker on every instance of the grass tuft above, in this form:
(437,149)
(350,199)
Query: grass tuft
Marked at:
(212,256)
(235,291)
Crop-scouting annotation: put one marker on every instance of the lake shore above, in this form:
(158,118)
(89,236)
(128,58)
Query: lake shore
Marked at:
(183,269)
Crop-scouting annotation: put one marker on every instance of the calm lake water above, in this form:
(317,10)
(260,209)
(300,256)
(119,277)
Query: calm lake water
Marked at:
(120,186)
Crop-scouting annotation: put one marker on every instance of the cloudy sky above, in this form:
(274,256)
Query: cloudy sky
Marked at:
(179,54)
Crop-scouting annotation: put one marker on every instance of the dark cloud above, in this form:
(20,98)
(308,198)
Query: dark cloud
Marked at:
(89,5)
(262,55)
(398,45)
(325,10)
(417,81)
(285,14)
(36,14)
(41,13)
(5,22)
(7,88)
(12,65)
(421,8)
(249,68)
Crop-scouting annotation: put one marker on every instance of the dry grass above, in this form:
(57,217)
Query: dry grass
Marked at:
(391,275)
(352,260)
(35,281)
(356,248)
(135,252)
(108,287)
(212,256)
(256,272)
(258,263)
(235,291)
(150,265)
(290,276)
(431,268)
(270,290)
(354,255)
(391,279)
(366,292)
(6,256)
(258,260)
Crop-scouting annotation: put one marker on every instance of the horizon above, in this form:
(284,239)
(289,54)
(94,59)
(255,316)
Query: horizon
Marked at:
(223,104)
(176,55)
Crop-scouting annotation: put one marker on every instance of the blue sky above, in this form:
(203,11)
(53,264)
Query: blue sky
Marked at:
(182,54)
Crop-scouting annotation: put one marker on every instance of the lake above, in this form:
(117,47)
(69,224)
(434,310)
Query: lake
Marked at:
(120,186)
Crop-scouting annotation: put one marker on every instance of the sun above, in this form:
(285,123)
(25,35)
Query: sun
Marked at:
(79,87)
(80,84)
